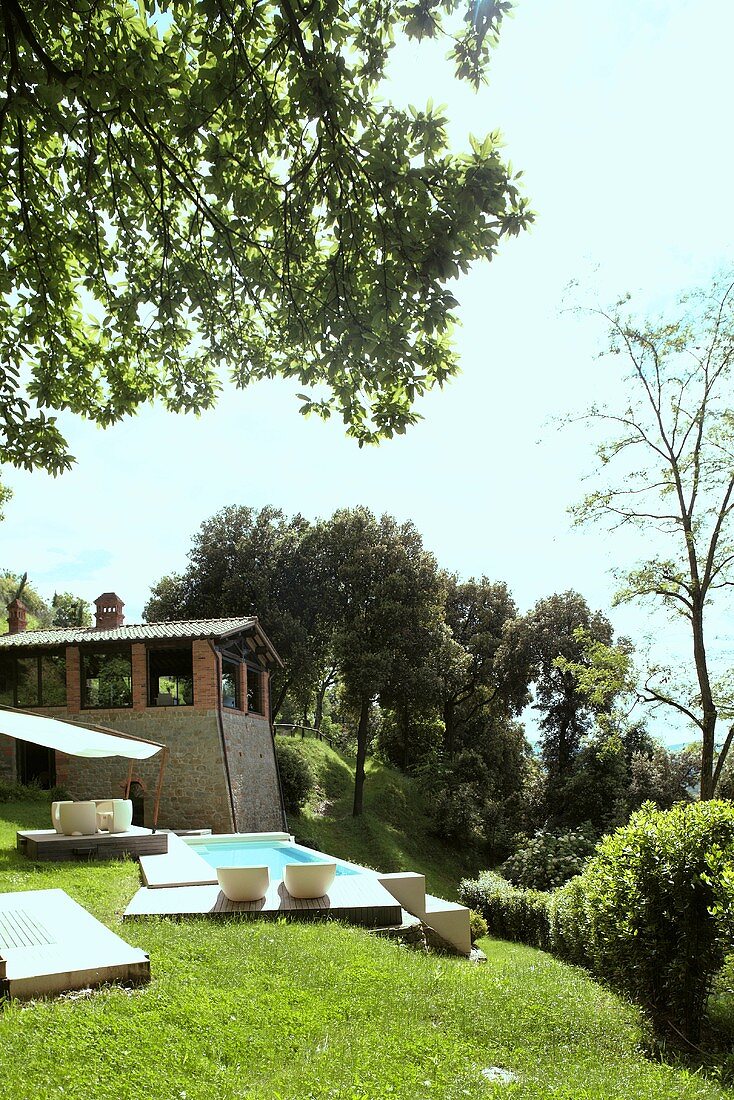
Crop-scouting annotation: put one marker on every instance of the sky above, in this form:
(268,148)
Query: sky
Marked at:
(619,116)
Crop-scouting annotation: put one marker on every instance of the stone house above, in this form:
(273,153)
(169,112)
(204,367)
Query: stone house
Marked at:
(201,687)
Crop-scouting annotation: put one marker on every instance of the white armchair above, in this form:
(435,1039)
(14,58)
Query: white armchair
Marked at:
(114,815)
(78,818)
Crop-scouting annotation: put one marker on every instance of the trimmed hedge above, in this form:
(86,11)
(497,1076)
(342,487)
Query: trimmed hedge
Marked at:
(19,792)
(297,779)
(652,913)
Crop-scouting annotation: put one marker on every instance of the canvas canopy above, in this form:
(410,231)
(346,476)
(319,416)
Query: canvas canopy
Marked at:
(75,740)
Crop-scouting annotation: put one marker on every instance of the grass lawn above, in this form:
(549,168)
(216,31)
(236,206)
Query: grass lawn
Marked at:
(266,1011)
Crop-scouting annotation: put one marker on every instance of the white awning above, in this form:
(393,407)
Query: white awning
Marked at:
(70,738)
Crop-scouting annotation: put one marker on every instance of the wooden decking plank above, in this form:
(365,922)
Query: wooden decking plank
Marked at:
(47,844)
(59,945)
(362,902)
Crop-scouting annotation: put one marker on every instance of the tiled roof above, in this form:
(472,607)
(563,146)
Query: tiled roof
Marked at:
(135,632)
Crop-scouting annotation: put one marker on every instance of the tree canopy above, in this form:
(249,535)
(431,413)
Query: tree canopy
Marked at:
(214,185)
(667,469)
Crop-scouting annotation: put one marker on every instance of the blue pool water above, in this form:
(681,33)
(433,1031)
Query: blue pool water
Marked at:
(275,855)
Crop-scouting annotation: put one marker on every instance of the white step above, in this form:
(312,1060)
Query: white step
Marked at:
(451,921)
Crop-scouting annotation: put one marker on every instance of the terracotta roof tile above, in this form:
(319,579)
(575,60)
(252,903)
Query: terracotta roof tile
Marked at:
(135,632)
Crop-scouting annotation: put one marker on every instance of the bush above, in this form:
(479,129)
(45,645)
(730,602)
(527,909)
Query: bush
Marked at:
(652,913)
(659,902)
(477,926)
(297,779)
(510,913)
(549,859)
(19,792)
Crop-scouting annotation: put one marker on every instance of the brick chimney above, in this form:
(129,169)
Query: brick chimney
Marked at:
(17,612)
(109,611)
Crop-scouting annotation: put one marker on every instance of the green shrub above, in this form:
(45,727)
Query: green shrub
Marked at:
(658,900)
(477,926)
(20,792)
(548,859)
(510,912)
(568,926)
(297,779)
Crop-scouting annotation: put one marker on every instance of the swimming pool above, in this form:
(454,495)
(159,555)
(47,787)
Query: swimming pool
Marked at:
(251,851)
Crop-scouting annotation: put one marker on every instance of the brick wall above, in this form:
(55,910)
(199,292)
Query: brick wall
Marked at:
(206,676)
(73,680)
(139,662)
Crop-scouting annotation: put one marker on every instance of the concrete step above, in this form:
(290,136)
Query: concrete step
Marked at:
(409,888)
(451,921)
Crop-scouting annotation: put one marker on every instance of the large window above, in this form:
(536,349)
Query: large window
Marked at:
(33,680)
(170,677)
(106,678)
(230,684)
(255,690)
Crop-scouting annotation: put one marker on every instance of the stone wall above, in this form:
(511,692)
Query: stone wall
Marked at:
(253,773)
(195,792)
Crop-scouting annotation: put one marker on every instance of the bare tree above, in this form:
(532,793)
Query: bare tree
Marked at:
(668,469)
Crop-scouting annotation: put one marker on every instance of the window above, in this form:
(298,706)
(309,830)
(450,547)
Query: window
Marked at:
(230,685)
(33,680)
(53,679)
(106,678)
(254,690)
(7,680)
(170,677)
(26,682)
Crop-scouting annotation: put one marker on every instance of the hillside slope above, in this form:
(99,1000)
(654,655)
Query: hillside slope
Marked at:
(392,834)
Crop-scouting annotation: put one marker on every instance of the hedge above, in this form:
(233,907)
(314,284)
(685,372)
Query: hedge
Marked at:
(652,913)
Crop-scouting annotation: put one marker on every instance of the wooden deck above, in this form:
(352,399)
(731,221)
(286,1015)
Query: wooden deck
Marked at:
(357,899)
(179,866)
(47,844)
(49,943)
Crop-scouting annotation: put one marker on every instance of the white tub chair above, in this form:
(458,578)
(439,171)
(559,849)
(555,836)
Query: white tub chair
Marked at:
(244,883)
(114,815)
(55,815)
(308,880)
(78,818)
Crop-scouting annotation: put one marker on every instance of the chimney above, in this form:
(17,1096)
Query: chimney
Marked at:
(109,613)
(17,612)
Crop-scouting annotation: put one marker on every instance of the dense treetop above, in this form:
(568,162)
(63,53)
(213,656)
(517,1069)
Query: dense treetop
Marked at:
(217,184)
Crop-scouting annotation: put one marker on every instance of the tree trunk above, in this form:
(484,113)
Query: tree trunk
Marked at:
(318,714)
(708,724)
(362,733)
(275,706)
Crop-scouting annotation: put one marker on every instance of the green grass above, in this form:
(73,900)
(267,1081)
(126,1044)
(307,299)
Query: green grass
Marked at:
(391,835)
(263,1011)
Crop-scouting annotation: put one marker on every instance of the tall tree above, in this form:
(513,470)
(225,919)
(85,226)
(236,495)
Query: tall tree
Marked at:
(553,639)
(194,186)
(668,471)
(248,562)
(389,622)
(70,610)
(482,683)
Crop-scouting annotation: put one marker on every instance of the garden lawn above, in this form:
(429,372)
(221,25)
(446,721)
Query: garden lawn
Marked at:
(263,1011)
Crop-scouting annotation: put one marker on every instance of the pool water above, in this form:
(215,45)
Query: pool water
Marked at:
(273,855)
